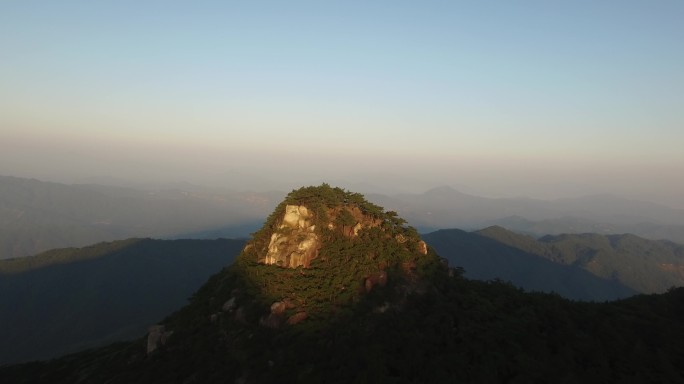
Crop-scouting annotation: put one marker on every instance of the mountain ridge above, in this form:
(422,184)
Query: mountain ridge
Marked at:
(600,213)
(66,300)
(487,259)
(36,216)
(420,322)
(642,265)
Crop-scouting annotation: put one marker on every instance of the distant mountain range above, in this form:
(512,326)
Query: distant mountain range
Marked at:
(67,300)
(445,207)
(335,289)
(584,266)
(36,216)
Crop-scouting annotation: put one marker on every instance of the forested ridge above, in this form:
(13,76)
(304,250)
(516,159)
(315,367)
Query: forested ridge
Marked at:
(421,322)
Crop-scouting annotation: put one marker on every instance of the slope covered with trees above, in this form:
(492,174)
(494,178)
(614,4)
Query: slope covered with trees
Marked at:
(521,263)
(578,266)
(422,322)
(647,266)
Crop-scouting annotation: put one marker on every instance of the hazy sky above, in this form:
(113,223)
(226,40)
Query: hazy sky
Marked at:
(503,98)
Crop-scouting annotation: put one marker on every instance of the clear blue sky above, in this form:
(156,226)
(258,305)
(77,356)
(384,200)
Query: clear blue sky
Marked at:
(540,98)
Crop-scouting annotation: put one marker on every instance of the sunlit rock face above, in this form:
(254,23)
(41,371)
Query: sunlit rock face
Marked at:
(422,247)
(296,216)
(295,243)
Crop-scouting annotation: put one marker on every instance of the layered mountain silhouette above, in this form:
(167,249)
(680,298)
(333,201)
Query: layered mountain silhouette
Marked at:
(647,266)
(578,266)
(67,300)
(37,216)
(485,258)
(335,289)
(445,207)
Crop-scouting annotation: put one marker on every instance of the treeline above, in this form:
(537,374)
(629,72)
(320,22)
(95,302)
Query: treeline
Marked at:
(458,331)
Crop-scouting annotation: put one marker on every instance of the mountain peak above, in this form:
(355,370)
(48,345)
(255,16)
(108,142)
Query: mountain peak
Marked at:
(309,217)
(324,248)
(381,307)
(443,190)
(497,232)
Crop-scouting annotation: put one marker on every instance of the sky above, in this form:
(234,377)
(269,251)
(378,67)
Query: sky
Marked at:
(498,98)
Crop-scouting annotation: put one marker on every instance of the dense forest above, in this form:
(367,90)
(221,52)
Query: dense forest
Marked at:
(421,322)
(457,330)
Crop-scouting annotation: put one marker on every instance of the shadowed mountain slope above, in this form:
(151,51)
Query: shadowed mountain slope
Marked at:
(333,289)
(485,258)
(69,299)
(647,266)
(584,266)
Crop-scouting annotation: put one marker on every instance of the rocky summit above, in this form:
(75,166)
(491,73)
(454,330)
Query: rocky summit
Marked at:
(333,289)
(322,249)
(324,259)
(296,239)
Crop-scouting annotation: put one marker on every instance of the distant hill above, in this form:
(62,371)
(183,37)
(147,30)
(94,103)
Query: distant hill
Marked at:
(333,289)
(66,300)
(36,216)
(585,266)
(485,258)
(577,225)
(445,207)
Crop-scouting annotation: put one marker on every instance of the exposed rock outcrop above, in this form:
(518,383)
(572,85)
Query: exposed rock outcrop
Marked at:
(157,337)
(354,243)
(297,318)
(229,305)
(278,307)
(422,247)
(295,242)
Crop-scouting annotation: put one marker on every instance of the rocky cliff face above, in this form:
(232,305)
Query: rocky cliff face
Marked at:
(325,259)
(295,242)
(157,337)
(322,250)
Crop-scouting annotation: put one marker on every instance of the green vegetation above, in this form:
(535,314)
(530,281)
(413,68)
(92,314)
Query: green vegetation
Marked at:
(501,254)
(335,278)
(63,256)
(427,324)
(459,330)
(646,266)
